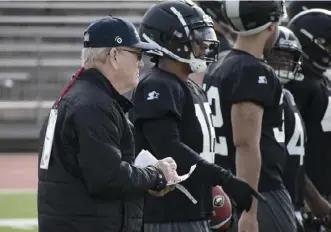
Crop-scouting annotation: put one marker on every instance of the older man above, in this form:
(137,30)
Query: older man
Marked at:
(86,178)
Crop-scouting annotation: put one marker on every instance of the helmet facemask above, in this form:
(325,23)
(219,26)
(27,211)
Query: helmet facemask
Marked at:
(204,48)
(286,64)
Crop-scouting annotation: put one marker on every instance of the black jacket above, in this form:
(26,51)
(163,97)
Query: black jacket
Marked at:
(90,184)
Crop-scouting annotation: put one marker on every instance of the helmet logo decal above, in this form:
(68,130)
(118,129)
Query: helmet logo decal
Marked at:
(287,42)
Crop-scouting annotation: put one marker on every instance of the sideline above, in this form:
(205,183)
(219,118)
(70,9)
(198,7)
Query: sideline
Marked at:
(18,191)
(20,223)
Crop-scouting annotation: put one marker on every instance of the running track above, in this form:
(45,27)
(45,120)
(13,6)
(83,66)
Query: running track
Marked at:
(18,172)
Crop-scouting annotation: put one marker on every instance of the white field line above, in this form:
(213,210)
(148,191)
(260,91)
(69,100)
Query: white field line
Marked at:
(20,223)
(18,191)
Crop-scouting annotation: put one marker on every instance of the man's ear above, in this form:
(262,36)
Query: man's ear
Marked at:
(113,58)
(271,27)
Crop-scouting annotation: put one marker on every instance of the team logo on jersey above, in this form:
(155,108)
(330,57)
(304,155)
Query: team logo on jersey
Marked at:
(262,80)
(218,201)
(152,95)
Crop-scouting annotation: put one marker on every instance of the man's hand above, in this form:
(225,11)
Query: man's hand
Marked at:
(248,223)
(327,221)
(168,166)
(163,192)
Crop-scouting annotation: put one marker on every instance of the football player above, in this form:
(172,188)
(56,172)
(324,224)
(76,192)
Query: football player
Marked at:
(295,7)
(313,94)
(285,58)
(247,112)
(222,29)
(172,117)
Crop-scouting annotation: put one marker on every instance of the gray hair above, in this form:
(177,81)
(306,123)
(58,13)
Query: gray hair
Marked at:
(90,56)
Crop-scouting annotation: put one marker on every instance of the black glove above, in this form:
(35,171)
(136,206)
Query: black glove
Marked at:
(240,191)
(311,223)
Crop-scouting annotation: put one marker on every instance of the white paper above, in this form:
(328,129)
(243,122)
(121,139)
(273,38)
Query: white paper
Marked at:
(145,158)
(186,192)
(183,177)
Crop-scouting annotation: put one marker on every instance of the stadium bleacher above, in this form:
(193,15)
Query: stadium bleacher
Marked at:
(40,45)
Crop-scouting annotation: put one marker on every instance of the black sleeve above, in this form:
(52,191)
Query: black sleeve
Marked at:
(156,98)
(163,136)
(158,119)
(254,83)
(300,93)
(99,158)
(306,93)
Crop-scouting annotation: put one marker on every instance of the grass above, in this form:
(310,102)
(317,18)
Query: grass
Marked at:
(8,229)
(18,206)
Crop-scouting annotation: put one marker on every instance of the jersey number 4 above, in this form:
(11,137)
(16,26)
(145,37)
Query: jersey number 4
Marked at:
(295,145)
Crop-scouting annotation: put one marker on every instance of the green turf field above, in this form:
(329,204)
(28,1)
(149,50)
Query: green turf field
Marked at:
(18,212)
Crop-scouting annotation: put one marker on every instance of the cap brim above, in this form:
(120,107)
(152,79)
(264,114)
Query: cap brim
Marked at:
(145,46)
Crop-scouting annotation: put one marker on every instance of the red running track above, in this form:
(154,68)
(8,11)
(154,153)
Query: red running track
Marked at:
(18,171)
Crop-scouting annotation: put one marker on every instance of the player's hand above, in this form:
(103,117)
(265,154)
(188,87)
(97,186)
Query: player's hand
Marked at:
(163,192)
(327,220)
(168,166)
(248,223)
(242,193)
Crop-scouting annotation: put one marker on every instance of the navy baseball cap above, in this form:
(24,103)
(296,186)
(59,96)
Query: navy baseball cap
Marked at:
(114,32)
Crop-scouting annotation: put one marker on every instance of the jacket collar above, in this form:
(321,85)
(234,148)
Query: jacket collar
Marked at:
(94,76)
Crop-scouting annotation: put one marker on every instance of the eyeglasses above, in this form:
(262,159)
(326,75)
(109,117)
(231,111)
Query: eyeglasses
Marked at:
(138,54)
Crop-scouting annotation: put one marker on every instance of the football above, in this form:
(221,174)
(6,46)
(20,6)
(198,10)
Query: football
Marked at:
(221,220)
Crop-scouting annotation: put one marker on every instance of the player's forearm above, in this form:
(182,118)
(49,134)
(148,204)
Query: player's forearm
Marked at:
(248,166)
(316,203)
(164,138)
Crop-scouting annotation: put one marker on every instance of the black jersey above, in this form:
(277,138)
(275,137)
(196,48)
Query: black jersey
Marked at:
(239,77)
(161,95)
(313,97)
(295,138)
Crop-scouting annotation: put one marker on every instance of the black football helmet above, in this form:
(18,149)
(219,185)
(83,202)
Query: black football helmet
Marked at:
(295,7)
(214,9)
(183,31)
(285,57)
(252,17)
(313,29)
(223,30)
